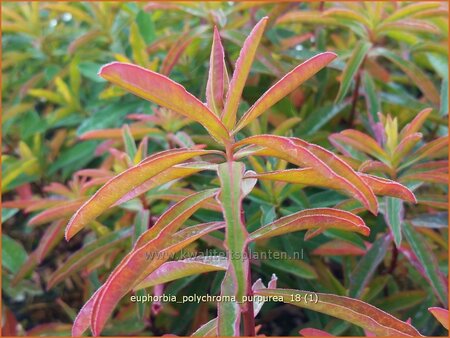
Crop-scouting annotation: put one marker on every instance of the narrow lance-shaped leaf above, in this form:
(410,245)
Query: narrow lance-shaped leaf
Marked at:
(136,265)
(186,267)
(163,91)
(86,254)
(412,26)
(421,80)
(441,315)
(168,223)
(236,279)
(347,14)
(174,217)
(240,74)
(118,186)
(128,140)
(345,172)
(360,142)
(176,172)
(303,16)
(285,86)
(384,187)
(351,68)
(348,309)
(309,176)
(428,261)
(61,211)
(393,215)
(404,147)
(367,266)
(52,236)
(175,52)
(401,300)
(305,154)
(371,96)
(338,248)
(410,10)
(319,218)
(102,134)
(434,149)
(83,319)
(218,77)
(416,124)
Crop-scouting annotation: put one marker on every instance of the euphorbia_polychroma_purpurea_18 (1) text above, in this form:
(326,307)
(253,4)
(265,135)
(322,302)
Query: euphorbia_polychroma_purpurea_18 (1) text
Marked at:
(168,235)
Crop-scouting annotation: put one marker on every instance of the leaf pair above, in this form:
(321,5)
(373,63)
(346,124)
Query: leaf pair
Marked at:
(223,97)
(152,249)
(325,163)
(126,182)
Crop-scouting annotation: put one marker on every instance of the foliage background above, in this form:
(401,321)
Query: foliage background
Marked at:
(51,95)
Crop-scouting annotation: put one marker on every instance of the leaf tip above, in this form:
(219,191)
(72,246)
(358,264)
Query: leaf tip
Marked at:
(69,231)
(105,68)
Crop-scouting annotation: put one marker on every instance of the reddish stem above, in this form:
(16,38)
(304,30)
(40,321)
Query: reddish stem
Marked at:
(249,315)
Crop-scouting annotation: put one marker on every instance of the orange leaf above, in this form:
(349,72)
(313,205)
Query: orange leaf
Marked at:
(316,219)
(163,91)
(285,86)
(241,71)
(123,183)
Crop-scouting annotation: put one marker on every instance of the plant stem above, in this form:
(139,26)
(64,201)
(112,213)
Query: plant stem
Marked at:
(248,315)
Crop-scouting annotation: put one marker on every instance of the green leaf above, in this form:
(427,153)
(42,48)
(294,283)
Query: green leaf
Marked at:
(401,300)
(318,118)
(146,26)
(438,220)
(372,98)
(128,140)
(394,217)
(367,265)
(296,267)
(420,79)
(351,68)
(13,254)
(111,116)
(7,213)
(428,261)
(90,70)
(74,158)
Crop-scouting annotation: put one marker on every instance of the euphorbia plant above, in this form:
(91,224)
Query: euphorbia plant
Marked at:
(403,155)
(167,236)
